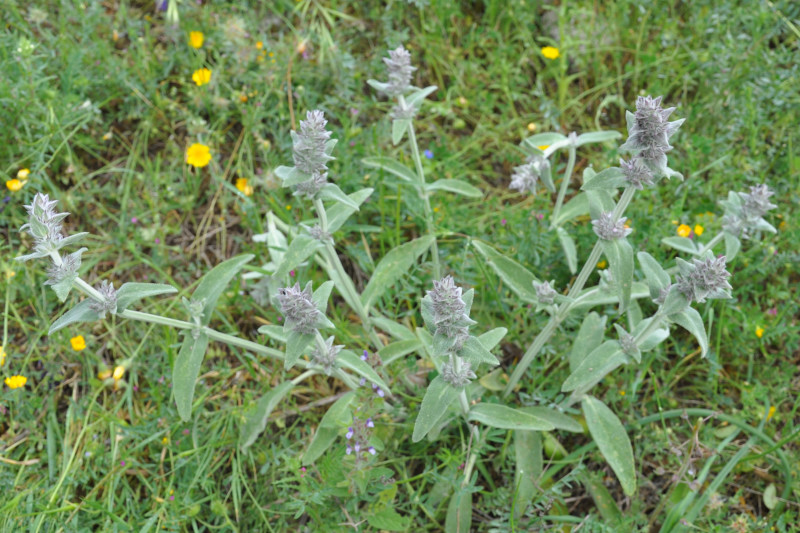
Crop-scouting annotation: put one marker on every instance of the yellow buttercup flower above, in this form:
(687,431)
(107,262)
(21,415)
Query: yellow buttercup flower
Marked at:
(201,76)
(15,382)
(23,173)
(771,412)
(684,230)
(198,155)
(602,264)
(259,45)
(759,331)
(78,343)
(242,186)
(550,52)
(119,371)
(698,229)
(196,39)
(14,185)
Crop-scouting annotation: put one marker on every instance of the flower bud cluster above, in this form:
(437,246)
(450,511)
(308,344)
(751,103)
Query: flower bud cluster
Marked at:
(609,229)
(67,271)
(358,438)
(398,66)
(703,278)
(449,311)
(637,173)
(545,293)
(649,131)
(109,301)
(458,373)
(44,225)
(309,147)
(526,177)
(744,212)
(299,309)
(325,356)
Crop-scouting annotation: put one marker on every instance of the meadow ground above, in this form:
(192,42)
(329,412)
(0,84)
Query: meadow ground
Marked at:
(98,102)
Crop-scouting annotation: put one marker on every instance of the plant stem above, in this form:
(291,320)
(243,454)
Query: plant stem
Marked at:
(412,139)
(551,326)
(564,184)
(703,249)
(475,434)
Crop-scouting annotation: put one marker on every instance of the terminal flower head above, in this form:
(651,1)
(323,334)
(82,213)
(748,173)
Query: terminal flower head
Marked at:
(15,382)
(196,39)
(198,155)
(201,76)
(550,52)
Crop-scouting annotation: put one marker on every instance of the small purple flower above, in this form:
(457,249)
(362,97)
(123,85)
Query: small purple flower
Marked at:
(348,450)
(162,5)
(134,220)
(365,356)
(122,463)
(503,222)
(158,241)
(370,423)
(428,154)
(773,311)
(371,450)
(349,433)
(185,431)
(362,381)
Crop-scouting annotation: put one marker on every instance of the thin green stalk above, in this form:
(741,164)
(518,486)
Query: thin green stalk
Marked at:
(703,249)
(588,267)
(562,192)
(412,139)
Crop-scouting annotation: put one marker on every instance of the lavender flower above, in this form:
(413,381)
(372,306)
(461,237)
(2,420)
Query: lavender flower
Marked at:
(311,144)
(703,278)
(109,302)
(608,229)
(358,436)
(299,309)
(458,377)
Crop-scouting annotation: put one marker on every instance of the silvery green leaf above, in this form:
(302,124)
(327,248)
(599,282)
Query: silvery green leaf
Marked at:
(681,243)
(34,255)
(214,282)
(339,213)
(426,311)
(492,338)
(393,266)
(72,239)
(502,417)
(570,252)
(675,302)
(612,441)
(690,320)
(732,246)
(321,295)
(603,500)
(392,166)
(133,292)
(459,512)
(351,361)
(635,314)
(276,333)
(301,248)
(596,296)
(296,344)
(546,176)
(577,206)
(256,418)
(655,338)
(396,330)
(770,496)
(527,468)
(543,139)
(599,202)
(63,287)
(620,262)
(657,278)
(399,128)
(608,179)
(597,137)
(415,98)
(442,344)
(396,350)
(476,353)
(557,419)
(590,336)
(329,146)
(332,191)
(467,298)
(763,225)
(427,342)
(81,312)
(186,370)
(437,399)
(378,86)
(291,176)
(595,366)
(337,416)
(514,275)
(457,186)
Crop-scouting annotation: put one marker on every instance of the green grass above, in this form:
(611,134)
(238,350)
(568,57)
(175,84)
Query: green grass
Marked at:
(730,68)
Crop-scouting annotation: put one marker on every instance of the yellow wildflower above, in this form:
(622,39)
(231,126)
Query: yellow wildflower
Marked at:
(196,39)
(771,412)
(531,126)
(10,274)
(259,45)
(698,229)
(119,371)
(288,207)
(198,155)
(272,54)
(759,331)
(104,374)
(15,382)
(14,185)
(242,186)
(2,356)
(78,343)
(622,393)
(550,52)
(201,76)
(23,173)
(243,98)
(602,264)
(107,136)
(684,230)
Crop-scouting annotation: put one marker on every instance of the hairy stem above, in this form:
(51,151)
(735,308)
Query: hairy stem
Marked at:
(564,184)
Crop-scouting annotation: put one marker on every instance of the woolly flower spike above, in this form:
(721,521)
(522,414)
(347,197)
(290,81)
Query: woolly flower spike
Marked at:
(649,132)
(627,341)
(316,233)
(311,187)
(606,228)
(398,64)
(449,311)
(460,377)
(44,225)
(703,278)
(545,292)
(309,152)
(636,172)
(109,303)
(326,358)
(299,309)
(756,204)
(744,211)
(525,177)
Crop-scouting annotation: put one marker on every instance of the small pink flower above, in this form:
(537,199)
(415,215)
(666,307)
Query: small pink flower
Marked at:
(291,273)
(185,431)
(539,216)
(134,220)
(158,241)
(773,311)
(122,463)
(503,222)
(302,471)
